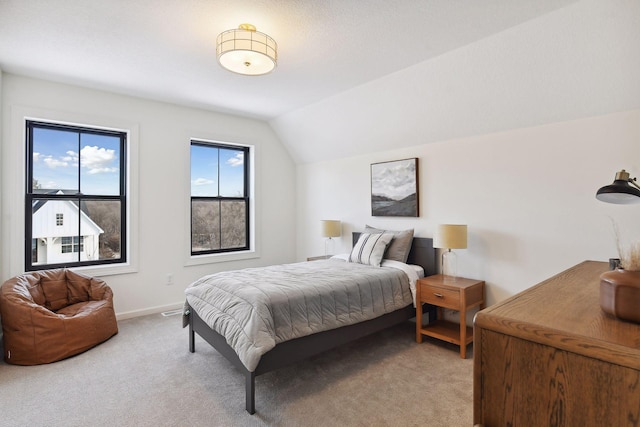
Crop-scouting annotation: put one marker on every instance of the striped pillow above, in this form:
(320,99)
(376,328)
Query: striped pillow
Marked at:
(369,249)
(400,246)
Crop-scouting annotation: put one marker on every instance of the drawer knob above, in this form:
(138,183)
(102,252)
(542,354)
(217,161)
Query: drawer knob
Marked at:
(438,295)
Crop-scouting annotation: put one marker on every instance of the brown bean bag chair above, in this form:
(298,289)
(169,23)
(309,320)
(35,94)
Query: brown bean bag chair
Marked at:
(53,314)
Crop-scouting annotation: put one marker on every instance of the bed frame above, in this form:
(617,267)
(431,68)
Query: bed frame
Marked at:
(293,351)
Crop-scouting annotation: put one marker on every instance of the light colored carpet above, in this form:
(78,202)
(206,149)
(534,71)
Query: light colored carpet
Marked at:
(145,376)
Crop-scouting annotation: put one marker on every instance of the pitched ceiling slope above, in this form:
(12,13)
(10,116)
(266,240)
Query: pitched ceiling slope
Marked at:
(165,50)
(579,61)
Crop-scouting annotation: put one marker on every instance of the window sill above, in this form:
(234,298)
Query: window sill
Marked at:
(224,257)
(106,270)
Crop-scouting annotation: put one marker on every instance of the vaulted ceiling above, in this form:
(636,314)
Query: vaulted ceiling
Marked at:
(331,53)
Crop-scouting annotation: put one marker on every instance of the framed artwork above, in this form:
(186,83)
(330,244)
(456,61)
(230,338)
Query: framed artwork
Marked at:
(394,188)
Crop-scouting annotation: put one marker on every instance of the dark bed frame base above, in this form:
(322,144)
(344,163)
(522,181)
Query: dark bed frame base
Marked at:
(290,352)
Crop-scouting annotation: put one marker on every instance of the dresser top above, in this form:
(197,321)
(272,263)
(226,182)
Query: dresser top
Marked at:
(564,312)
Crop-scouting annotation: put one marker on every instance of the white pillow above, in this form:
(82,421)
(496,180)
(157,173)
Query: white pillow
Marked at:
(369,249)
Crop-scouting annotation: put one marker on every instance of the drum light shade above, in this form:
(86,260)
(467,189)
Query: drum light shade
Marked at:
(247,51)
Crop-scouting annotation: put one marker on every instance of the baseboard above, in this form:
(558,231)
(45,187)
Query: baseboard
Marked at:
(150,310)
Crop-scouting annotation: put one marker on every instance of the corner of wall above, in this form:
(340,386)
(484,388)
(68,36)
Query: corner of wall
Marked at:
(1,211)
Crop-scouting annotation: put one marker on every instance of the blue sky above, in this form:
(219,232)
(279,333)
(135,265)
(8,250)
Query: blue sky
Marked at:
(57,161)
(206,162)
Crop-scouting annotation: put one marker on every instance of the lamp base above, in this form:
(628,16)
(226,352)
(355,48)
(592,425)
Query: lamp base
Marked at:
(449,264)
(328,247)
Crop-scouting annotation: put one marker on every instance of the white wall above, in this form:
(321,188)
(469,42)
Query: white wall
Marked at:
(514,132)
(163,133)
(527,196)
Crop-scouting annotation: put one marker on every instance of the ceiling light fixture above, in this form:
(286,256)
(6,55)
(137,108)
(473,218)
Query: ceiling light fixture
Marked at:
(247,51)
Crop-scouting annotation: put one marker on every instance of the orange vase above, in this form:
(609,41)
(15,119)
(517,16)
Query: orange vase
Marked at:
(620,294)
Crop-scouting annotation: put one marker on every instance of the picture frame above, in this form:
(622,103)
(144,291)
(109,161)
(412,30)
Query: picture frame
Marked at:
(394,188)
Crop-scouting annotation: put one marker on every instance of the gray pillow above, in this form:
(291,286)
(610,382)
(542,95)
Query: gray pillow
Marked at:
(370,248)
(400,246)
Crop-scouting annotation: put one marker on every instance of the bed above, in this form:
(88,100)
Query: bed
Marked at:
(297,349)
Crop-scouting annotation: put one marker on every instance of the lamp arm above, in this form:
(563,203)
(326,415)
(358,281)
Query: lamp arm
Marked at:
(632,181)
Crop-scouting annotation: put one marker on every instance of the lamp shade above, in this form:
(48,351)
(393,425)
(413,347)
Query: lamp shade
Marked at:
(623,191)
(450,236)
(247,51)
(330,228)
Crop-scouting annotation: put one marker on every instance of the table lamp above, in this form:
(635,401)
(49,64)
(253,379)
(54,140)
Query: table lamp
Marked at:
(450,236)
(330,228)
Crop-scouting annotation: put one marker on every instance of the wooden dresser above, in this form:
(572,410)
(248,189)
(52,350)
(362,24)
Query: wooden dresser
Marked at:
(550,356)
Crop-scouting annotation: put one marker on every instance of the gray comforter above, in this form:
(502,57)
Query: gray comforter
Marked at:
(257,308)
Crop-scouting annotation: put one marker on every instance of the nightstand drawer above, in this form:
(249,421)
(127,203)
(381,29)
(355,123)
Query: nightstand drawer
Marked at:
(440,297)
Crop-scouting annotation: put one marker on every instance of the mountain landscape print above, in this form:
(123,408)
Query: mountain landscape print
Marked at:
(394,188)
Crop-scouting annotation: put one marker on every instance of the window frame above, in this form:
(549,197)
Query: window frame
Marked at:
(77,197)
(247,198)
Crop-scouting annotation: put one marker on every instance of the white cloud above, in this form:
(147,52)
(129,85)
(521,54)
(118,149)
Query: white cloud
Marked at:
(96,159)
(201,181)
(71,156)
(54,163)
(238,160)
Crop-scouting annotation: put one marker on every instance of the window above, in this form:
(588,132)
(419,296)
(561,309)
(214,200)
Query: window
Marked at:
(72,244)
(219,198)
(75,180)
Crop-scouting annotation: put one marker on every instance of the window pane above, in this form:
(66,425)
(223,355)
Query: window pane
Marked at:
(99,164)
(55,160)
(205,225)
(66,243)
(101,229)
(234,225)
(231,173)
(204,171)
(34,251)
(53,243)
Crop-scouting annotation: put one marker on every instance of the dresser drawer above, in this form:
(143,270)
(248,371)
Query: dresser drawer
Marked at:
(441,297)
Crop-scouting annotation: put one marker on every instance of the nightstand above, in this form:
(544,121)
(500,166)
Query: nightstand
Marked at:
(318,258)
(453,293)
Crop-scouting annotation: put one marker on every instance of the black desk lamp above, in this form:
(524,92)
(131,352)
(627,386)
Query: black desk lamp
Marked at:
(623,191)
